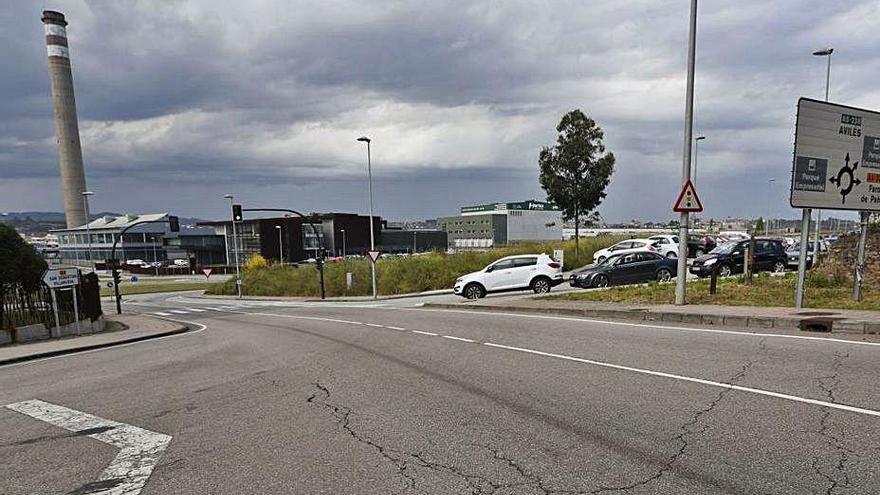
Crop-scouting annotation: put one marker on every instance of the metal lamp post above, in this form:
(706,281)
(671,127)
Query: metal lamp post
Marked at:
(696,155)
(367,140)
(85,198)
(231,199)
(280,246)
(825,52)
(343,242)
(769,195)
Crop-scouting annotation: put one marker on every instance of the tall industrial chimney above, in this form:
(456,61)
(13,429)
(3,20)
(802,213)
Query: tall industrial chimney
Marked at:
(73,180)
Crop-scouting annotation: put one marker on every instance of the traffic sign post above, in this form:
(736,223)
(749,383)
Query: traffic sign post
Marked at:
(62,278)
(207,272)
(836,167)
(688,201)
(374,255)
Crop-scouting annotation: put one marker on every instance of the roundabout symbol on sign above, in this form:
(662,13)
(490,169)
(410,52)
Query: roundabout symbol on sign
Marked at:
(846,180)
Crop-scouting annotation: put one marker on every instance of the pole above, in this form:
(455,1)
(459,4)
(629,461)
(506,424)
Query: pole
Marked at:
(372,235)
(819,212)
(88,228)
(280,247)
(681,279)
(343,243)
(860,260)
(55,311)
(76,311)
(235,250)
(415,244)
(802,258)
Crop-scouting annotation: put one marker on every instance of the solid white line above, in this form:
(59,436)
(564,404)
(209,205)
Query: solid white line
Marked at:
(194,310)
(162,314)
(178,311)
(649,325)
(424,333)
(794,398)
(457,338)
(139,452)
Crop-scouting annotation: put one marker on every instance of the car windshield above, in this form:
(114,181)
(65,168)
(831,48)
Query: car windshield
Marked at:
(725,248)
(610,260)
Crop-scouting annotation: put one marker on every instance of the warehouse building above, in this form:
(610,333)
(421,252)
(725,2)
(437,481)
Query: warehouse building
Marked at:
(497,224)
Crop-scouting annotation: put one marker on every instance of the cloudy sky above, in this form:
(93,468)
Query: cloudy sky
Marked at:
(182,101)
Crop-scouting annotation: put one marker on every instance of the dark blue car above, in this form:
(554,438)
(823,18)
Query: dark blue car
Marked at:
(632,268)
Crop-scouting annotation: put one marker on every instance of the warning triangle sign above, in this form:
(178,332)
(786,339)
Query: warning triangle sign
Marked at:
(688,201)
(374,255)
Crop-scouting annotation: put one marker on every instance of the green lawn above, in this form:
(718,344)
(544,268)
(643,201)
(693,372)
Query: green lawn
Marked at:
(147,288)
(821,292)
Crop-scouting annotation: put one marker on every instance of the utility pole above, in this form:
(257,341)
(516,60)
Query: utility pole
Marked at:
(681,279)
(367,140)
(231,199)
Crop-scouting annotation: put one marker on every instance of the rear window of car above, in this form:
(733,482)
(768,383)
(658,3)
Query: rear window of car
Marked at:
(638,244)
(530,261)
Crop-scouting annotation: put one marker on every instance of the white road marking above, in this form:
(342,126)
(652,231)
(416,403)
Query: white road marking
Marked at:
(374,325)
(396,328)
(139,452)
(649,325)
(213,308)
(457,338)
(794,398)
(178,311)
(162,314)
(195,310)
(424,333)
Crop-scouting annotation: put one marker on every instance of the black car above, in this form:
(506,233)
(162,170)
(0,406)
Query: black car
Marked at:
(699,244)
(629,268)
(729,258)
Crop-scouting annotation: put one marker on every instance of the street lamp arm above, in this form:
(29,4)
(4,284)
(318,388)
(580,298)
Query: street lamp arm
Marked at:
(116,265)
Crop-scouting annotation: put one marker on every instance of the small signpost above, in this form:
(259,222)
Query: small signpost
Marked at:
(688,201)
(207,272)
(374,255)
(62,278)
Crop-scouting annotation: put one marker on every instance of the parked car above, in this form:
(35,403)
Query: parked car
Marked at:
(794,254)
(180,262)
(632,268)
(136,262)
(730,258)
(700,244)
(624,247)
(537,272)
(667,244)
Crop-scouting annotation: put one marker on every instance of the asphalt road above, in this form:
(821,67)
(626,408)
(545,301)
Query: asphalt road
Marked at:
(266,397)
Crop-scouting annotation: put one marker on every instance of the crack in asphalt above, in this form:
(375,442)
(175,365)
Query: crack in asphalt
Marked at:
(408,461)
(834,473)
(686,430)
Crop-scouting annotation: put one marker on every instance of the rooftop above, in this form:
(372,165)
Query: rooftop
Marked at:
(116,223)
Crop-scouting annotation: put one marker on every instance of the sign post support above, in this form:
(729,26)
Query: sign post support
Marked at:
(860,260)
(802,258)
(76,312)
(57,332)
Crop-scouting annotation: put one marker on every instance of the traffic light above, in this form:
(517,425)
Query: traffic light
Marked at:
(174,223)
(236,213)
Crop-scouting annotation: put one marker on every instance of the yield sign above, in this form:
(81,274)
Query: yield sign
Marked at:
(688,201)
(207,272)
(374,255)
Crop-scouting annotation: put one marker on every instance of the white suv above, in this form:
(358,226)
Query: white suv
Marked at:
(537,272)
(667,245)
(626,247)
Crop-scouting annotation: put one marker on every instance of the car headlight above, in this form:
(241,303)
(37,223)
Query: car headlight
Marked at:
(710,261)
(458,281)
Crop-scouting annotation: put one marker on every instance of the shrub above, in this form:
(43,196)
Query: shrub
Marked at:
(255,262)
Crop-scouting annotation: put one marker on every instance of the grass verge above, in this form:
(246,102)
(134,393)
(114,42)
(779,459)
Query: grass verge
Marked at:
(822,291)
(395,275)
(144,288)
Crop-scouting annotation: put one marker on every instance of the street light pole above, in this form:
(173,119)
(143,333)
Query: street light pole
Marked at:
(280,246)
(367,140)
(231,199)
(696,155)
(681,279)
(85,197)
(825,52)
(343,242)
(769,195)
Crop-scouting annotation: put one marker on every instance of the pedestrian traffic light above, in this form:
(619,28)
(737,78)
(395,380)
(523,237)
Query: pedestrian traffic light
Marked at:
(174,223)
(236,213)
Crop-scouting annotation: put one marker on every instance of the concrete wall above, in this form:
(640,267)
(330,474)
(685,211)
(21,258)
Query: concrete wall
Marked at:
(32,333)
(534,225)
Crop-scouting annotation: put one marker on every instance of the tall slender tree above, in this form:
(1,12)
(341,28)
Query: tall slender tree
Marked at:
(577,169)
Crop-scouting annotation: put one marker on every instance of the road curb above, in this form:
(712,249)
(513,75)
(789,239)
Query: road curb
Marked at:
(830,324)
(89,347)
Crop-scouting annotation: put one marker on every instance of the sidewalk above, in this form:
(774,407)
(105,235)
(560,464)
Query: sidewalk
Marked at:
(126,328)
(819,320)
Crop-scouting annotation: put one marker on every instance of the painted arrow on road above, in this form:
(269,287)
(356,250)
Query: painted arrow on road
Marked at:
(139,449)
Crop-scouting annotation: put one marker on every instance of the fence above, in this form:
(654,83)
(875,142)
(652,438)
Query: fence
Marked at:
(19,307)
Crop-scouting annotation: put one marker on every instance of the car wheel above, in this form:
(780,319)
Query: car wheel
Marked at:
(699,252)
(664,275)
(541,285)
(601,260)
(474,291)
(725,271)
(779,267)
(672,255)
(600,281)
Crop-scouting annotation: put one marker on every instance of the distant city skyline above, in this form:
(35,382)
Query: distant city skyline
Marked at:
(180,104)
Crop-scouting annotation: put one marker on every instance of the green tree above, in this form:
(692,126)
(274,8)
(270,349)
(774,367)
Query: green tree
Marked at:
(759,225)
(21,268)
(576,170)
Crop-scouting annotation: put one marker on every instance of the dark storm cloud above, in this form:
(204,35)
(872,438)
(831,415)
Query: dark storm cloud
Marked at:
(179,99)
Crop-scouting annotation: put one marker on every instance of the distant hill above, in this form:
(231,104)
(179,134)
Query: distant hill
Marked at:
(39,223)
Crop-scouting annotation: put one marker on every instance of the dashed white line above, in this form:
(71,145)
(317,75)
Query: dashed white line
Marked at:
(424,333)
(159,313)
(195,310)
(396,328)
(374,325)
(768,393)
(458,338)
(178,311)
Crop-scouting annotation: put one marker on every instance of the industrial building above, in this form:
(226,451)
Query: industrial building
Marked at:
(497,224)
(93,241)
